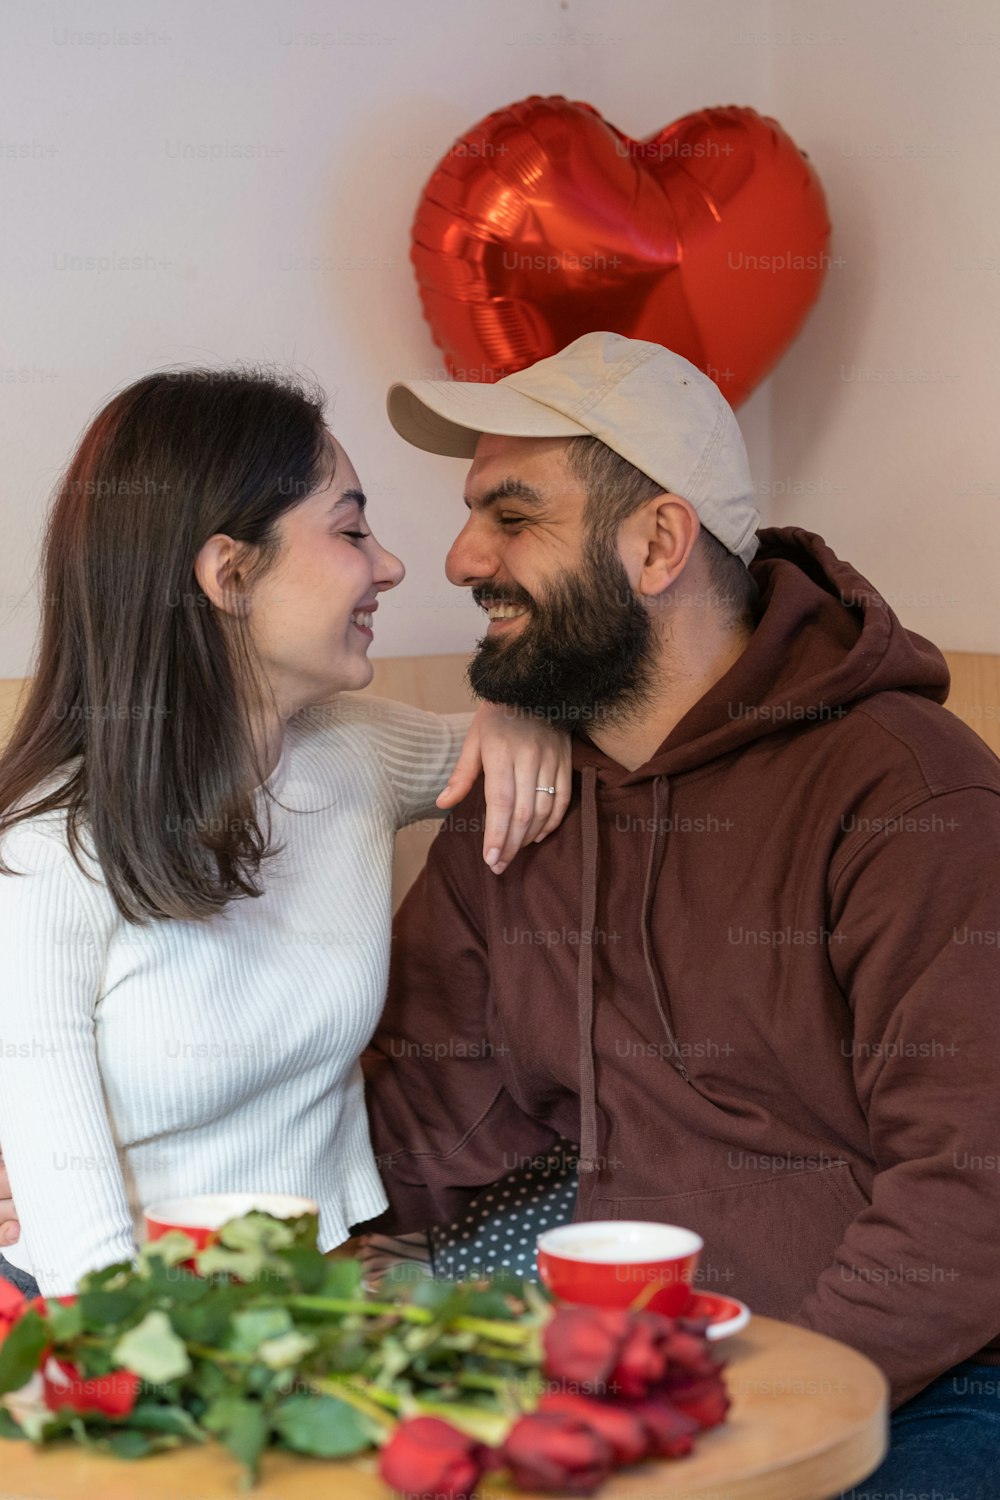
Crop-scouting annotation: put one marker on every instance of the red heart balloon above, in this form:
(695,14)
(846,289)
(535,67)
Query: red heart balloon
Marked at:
(544,222)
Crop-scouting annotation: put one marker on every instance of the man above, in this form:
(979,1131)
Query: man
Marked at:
(755,971)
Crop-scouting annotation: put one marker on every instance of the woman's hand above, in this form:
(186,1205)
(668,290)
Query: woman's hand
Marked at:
(378,1253)
(10,1229)
(517,754)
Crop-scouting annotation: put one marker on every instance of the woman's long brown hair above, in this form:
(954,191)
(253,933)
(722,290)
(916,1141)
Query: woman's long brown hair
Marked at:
(144,694)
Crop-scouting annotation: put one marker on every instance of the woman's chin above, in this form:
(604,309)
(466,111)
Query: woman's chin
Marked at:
(356,673)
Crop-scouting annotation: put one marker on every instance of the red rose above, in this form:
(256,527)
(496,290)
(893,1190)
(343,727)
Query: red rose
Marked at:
(622,1428)
(644,1354)
(112,1395)
(671,1432)
(595,1346)
(428,1456)
(706,1400)
(12,1306)
(582,1344)
(551,1450)
(690,1354)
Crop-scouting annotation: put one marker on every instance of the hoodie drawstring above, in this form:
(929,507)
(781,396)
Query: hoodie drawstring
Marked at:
(585,972)
(660,825)
(585,964)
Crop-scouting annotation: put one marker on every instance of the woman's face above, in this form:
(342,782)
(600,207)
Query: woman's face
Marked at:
(312,615)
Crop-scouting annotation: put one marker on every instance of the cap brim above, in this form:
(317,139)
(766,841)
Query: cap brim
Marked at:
(443,416)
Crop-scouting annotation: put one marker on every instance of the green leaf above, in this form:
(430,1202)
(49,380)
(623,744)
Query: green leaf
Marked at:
(39,1428)
(101,1308)
(152,1350)
(257,1324)
(170,1250)
(244,1264)
(322,1426)
(21,1351)
(306,1267)
(66,1322)
(287,1350)
(342,1279)
(207,1320)
(439,1297)
(348,1354)
(257,1231)
(121,1271)
(133,1444)
(241,1425)
(123,1442)
(182,1287)
(489,1303)
(166,1419)
(262,1231)
(8,1427)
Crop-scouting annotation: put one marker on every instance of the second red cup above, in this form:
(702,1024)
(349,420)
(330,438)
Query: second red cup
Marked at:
(614,1262)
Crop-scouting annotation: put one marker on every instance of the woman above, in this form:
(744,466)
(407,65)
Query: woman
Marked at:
(172,1024)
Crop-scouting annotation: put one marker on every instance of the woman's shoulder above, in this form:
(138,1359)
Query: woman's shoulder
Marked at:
(43,837)
(368,714)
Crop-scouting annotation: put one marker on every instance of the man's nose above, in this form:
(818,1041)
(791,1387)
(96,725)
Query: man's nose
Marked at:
(471,559)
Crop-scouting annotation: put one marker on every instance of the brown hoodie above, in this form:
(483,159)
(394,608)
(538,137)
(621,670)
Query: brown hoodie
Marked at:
(758,978)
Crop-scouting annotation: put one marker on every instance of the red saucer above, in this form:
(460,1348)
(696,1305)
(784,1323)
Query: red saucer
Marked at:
(726,1315)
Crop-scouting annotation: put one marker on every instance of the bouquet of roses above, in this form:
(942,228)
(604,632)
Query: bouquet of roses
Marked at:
(261,1340)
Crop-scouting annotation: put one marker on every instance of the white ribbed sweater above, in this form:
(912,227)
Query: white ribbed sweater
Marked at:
(138,1064)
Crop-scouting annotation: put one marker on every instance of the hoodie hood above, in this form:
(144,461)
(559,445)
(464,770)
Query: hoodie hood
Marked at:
(825,639)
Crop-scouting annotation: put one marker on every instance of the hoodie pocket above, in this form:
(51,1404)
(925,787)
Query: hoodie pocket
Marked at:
(766,1240)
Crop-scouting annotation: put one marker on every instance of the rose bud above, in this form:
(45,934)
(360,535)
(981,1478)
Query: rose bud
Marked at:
(583,1344)
(643,1359)
(690,1355)
(706,1400)
(622,1428)
(12,1306)
(112,1395)
(671,1432)
(426,1455)
(551,1450)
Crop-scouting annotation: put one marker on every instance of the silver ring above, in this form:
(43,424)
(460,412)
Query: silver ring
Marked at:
(550,789)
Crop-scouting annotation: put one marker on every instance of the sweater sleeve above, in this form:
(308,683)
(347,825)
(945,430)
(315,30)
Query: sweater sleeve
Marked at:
(443,1122)
(914,1283)
(417,750)
(58,1143)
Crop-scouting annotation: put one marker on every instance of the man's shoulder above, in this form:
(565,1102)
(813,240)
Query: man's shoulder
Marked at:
(907,728)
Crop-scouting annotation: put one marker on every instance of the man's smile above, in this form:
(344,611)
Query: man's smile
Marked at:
(503,616)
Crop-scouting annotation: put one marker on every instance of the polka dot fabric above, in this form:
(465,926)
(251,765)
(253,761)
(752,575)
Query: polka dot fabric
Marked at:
(503,1222)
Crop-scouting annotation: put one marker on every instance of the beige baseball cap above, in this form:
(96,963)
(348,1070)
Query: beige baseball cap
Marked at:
(649,404)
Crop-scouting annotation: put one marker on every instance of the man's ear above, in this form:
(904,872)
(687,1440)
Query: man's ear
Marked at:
(669,531)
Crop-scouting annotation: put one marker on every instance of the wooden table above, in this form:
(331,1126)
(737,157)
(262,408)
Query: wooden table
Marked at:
(808,1419)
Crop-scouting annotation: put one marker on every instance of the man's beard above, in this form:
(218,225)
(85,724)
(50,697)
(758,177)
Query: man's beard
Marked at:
(584,653)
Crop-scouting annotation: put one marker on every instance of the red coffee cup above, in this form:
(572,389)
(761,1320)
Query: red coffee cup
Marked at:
(203,1215)
(614,1262)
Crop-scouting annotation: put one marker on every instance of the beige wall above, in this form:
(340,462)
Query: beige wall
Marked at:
(887,405)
